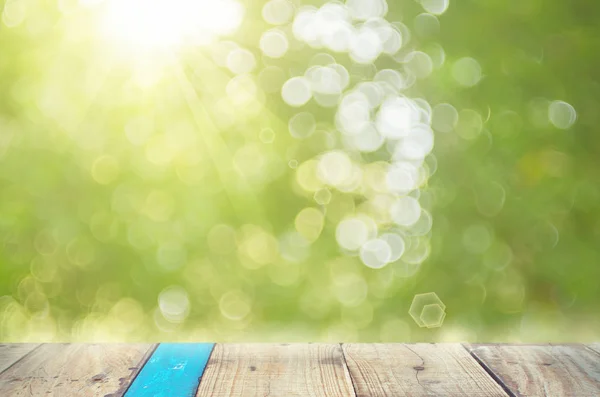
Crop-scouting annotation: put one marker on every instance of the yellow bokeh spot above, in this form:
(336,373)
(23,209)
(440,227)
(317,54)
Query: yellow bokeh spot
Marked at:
(159,151)
(307,178)
(128,314)
(221,239)
(235,305)
(309,223)
(257,246)
(375,177)
(159,206)
(80,252)
(250,161)
(105,169)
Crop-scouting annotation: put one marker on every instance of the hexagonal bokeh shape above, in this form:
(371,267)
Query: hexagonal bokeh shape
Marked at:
(432,317)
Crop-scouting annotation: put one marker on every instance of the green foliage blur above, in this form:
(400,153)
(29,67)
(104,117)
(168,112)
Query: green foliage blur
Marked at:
(129,177)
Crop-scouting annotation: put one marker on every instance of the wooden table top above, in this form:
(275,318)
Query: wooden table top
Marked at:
(315,369)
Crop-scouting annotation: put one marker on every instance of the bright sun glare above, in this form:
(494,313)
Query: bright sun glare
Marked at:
(152,24)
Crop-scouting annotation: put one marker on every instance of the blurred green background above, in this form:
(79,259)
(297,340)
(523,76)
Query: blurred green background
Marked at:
(140,202)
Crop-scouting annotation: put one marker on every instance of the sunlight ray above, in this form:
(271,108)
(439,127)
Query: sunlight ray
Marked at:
(219,153)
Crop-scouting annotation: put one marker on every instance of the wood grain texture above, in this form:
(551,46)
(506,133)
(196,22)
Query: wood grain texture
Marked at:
(11,353)
(246,370)
(395,370)
(78,370)
(595,347)
(543,370)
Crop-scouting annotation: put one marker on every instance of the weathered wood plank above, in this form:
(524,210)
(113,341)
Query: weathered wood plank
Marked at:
(395,370)
(246,370)
(174,369)
(11,353)
(595,347)
(82,370)
(543,370)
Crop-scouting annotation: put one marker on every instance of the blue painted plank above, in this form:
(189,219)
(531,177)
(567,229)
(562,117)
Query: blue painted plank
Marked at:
(173,370)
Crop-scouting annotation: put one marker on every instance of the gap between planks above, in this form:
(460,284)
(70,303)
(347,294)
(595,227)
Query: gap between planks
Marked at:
(346,364)
(595,347)
(144,360)
(543,370)
(491,373)
(81,370)
(390,370)
(10,354)
(346,369)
